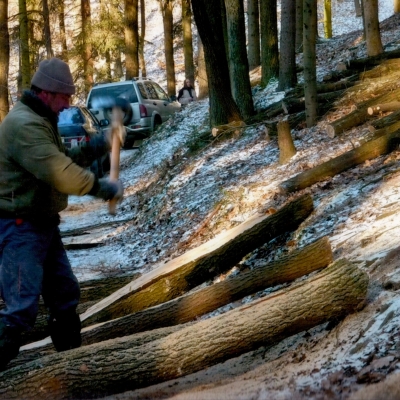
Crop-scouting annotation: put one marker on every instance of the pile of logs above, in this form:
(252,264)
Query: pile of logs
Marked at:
(150,329)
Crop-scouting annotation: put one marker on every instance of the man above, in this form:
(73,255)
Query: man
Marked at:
(36,176)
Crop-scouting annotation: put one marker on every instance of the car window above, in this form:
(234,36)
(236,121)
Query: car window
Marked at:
(160,91)
(70,116)
(150,90)
(126,92)
(90,117)
(142,90)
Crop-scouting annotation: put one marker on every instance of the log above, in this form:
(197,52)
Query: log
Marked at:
(118,365)
(186,308)
(383,69)
(300,262)
(384,121)
(361,64)
(285,142)
(359,116)
(372,149)
(170,280)
(380,108)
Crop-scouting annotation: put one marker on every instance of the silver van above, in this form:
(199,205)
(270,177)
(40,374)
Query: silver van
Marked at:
(150,106)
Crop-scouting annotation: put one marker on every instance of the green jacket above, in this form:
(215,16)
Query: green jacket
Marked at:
(36,175)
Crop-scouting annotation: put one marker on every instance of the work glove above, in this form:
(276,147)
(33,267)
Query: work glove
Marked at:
(107,190)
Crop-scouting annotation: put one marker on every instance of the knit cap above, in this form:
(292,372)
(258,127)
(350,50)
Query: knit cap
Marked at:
(54,75)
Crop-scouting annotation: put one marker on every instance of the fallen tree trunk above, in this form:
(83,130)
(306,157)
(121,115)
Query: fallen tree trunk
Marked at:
(116,366)
(362,64)
(366,151)
(191,306)
(168,281)
(186,308)
(359,116)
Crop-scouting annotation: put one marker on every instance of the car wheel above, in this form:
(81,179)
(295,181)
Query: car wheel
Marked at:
(157,123)
(128,144)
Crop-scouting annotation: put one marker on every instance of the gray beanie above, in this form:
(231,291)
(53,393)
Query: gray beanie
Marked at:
(55,76)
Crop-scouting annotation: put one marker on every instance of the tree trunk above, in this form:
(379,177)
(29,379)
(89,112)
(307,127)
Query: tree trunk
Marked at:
(88,61)
(46,29)
(285,142)
(366,151)
(63,34)
(238,64)
(116,366)
(168,281)
(142,35)
(253,33)
(4,59)
(269,41)
(299,26)
(359,116)
(328,18)
(223,108)
(187,39)
(357,7)
(131,39)
(287,55)
(396,6)
(201,71)
(25,64)
(373,35)
(310,73)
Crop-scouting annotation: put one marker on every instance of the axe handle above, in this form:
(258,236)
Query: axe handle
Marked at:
(114,161)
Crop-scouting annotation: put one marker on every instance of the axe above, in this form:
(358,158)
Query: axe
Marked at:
(119,107)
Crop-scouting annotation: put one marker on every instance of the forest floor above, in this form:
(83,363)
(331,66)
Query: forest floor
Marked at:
(359,211)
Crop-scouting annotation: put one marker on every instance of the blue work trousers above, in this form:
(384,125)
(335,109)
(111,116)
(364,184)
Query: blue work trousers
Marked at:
(33,262)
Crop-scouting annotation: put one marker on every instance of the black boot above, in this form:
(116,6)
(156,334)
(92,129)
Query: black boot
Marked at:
(10,342)
(65,330)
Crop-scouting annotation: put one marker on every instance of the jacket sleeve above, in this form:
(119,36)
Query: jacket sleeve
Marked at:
(180,93)
(36,150)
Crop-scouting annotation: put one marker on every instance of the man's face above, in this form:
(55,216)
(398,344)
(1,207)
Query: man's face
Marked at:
(56,101)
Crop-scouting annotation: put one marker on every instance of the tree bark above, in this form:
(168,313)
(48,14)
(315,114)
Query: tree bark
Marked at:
(384,121)
(238,63)
(372,32)
(285,142)
(287,54)
(187,39)
(309,51)
(359,116)
(168,281)
(116,366)
(223,108)
(253,33)
(88,62)
(371,149)
(4,59)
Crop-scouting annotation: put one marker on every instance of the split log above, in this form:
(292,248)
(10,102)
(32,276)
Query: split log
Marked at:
(118,365)
(372,149)
(168,281)
(384,121)
(285,142)
(360,115)
(380,108)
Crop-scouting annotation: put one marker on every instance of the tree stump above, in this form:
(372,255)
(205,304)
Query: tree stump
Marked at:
(285,142)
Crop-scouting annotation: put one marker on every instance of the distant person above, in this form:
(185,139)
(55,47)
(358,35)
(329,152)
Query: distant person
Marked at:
(37,173)
(187,94)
